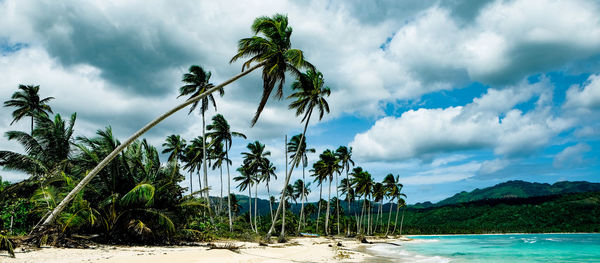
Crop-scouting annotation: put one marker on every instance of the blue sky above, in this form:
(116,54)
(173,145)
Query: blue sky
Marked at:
(450,95)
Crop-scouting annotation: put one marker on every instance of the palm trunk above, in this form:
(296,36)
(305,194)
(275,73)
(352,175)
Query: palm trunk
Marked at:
(402,220)
(302,199)
(31,125)
(362,212)
(228,189)
(220,209)
(204,165)
(337,197)
(389,218)
(283,194)
(255,207)
(250,206)
(396,220)
(63,204)
(270,203)
(319,204)
(348,198)
(289,174)
(191,185)
(379,216)
(328,208)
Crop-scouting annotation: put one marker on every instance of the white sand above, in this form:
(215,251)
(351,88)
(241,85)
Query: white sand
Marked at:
(296,250)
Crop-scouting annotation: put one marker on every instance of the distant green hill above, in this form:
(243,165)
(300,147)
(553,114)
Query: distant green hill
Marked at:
(519,189)
(573,212)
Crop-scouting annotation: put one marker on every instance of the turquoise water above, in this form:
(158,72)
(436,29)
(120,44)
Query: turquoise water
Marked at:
(496,248)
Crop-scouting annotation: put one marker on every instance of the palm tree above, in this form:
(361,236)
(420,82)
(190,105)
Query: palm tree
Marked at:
(246,181)
(320,177)
(273,52)
(193,156)
(363,186)
(295,146)
(400,202)
(309,93)
(301,191)
(344,154)
(268,171)
(197,82)
(347,190)
(220,132)
(28,103)
(175,146)
(327,166)
(218,155)
(391,189)
(254,161)
(378,195)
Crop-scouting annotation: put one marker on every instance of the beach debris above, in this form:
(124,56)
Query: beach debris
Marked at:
(229,246)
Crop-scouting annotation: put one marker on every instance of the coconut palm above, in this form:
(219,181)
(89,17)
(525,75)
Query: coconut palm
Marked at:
(28,103)
(220,132)
(197,82)
(378,195)
(363,186)
(270,50)
(301,191)
(175,147)
(399,202)
(47,150)
(295,146)
(268,171)
(193,156)
(309,94)
(320,177)
(217,154)
(245,182)
(344,154)
(389,183)
(346,189)
(327,166)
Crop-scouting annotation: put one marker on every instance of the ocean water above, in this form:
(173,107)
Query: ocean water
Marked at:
(494,248)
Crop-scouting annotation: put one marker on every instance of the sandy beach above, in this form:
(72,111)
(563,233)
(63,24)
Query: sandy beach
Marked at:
(295,250)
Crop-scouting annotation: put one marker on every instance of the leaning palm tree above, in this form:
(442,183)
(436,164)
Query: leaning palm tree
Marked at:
(220,132)
(399,201)
(296,146)
(309,94)
(344,154)
(246,181)
(271,50)
(197,82)
(28,103)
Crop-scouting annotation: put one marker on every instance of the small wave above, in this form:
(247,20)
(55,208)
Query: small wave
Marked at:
(529,240)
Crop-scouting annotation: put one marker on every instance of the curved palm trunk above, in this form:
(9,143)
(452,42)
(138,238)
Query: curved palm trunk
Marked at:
(328,209)
(319,205)
(389,218)
(63,204)
(302,199)
(283,219)
(289,174)
(228,189)
(337,197)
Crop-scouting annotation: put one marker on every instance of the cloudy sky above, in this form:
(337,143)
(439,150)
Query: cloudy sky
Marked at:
(450,95)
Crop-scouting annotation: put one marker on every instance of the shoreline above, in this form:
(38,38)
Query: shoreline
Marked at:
(492,234)
(300,249)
